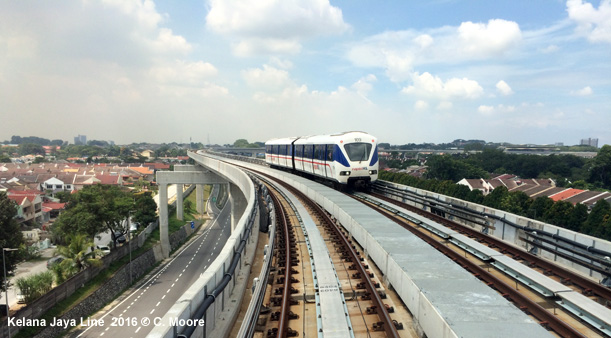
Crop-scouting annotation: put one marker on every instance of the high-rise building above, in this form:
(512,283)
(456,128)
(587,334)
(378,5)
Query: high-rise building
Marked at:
(593,142)
(80,140)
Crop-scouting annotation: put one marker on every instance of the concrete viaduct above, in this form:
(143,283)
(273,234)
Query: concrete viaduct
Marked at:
(182,174)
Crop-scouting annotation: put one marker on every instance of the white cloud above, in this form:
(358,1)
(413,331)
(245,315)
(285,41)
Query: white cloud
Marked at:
(268,78)
(424,40)
(593,23)
(585,91)
(364,85)
(503,88)
(275,26)
(148,30)
(485,110)
(490,110)
(445,105)
(427,85)
(493,38)
(399,52)
(549,49)
(421,105)
(183,73)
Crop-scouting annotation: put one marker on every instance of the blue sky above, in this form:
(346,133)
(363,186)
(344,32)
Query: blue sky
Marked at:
(404,71)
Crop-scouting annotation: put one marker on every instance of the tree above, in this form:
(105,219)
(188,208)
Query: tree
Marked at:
(31,149)
(559,213)
(94,209)
(516,202)
(600,170)
(598,217)
(496,197)
(578,217)
(242,143)
(10,234)
(539,206)
(78,255)
(145,209)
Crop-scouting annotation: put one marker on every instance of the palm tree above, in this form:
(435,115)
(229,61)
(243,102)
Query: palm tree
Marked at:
(78,255)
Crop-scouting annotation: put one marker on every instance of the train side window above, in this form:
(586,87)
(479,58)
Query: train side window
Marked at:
(329,152)
(316,152)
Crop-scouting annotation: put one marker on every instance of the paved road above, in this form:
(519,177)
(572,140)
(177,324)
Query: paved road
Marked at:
(23,270)
(154,296)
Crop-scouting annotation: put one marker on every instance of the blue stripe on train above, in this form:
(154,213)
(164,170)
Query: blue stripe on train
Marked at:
(339,156)
(374,159)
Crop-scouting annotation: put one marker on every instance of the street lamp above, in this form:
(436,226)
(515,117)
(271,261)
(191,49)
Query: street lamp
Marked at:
(8,312)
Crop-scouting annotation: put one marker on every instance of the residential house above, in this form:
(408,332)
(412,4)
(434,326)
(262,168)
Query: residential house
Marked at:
(477,184)
(29,203)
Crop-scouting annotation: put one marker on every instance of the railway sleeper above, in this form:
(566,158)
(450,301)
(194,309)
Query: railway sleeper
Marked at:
(378,326)
(273,332)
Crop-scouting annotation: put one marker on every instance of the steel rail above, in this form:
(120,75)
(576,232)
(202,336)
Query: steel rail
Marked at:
(389,326)
(284,309)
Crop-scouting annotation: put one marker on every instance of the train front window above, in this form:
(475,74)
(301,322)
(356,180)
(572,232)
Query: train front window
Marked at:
(358,151)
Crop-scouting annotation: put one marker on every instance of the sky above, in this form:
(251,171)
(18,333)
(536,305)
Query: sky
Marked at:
(405,71)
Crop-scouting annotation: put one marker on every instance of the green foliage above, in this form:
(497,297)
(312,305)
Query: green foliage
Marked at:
(145,209)
(599,220)
(32,287)
(600,168)
(447,168)
(564,214)
(78,254)
(10,234)
(31,149)
(94,209)
(29,252)
(242,143)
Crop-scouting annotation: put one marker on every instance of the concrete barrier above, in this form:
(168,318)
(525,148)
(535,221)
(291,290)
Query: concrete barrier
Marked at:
(186,306)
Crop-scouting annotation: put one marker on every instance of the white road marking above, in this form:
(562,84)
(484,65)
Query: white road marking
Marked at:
(158,303)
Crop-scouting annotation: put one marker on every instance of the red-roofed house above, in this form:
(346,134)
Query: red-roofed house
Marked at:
(29,204)
(567,193)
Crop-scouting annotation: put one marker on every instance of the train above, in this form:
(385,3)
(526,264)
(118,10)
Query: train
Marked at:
(344,160)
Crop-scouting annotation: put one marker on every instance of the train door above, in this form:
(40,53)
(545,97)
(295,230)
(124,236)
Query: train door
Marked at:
(329,161)
(316,160)
(310,161)
(299,157)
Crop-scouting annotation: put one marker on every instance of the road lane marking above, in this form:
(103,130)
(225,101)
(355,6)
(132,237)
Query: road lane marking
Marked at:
(158,303)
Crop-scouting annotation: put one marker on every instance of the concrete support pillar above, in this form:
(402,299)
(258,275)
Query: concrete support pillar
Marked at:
(179,204)
(163,220)
(199,197)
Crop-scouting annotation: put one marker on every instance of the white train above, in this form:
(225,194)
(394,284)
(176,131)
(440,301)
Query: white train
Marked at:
(349,158)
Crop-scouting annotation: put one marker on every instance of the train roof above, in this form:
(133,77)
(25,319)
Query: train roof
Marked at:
(331,138)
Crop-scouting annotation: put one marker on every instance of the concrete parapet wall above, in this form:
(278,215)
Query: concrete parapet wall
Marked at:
(191,300)
(511,234)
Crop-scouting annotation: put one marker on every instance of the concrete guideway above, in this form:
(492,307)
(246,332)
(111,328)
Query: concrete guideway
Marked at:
(213,282)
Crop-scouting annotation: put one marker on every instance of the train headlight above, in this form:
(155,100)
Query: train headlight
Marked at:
(373,172)
(344,173)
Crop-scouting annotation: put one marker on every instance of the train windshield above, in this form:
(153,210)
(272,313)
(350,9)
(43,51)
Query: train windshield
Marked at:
(358,151)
